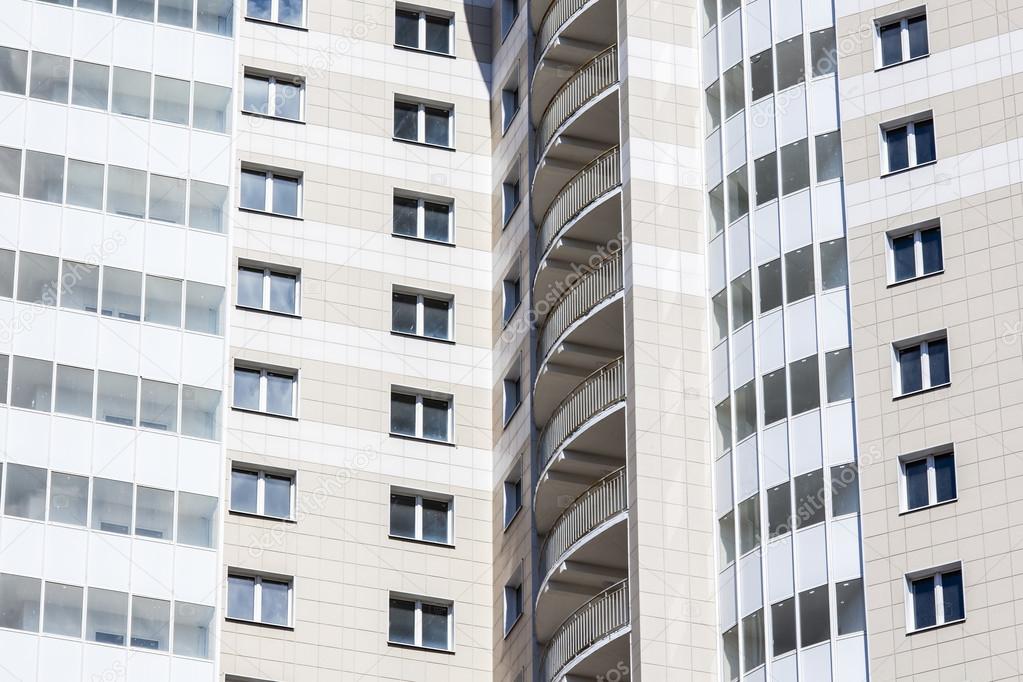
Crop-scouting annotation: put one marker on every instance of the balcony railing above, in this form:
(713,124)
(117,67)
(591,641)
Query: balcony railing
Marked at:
(589,81)
(601,176)
(595,506)
(598,391)
(556,16)
(594,620)
(603,281)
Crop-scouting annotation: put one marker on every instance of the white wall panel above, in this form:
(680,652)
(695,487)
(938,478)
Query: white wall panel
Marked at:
(771,342)
(775,446)
(811,557)
(780,579)
(801,318)
(746,469)
(751,592)
(806,442)
(742,356)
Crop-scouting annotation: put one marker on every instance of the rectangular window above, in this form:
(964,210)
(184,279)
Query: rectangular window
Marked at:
(207,206)
(795,167)
(834,264)
(215,16)
(62,610)
(19,602)
(770,285)
(789,58)
(91,86)
(167,199)
(150,623)
(761,75)
(288,12)
(783,627)
(799,279)
(159,406)
(37,278)
(839,371)
(901,39)
(154,513)
(779,510)
(845,497)
(737,192)
(420,30)
(210,106)
(116,397)
(512,604)
(126,192)
(25,496)
(765,176)
(415,622)
(908,144)
(260,599)
(171,100)
(122,294)
(935,598)
(749,525)
(271,192)
(421,315)
(135,9)
(111,505)
(509,12)
(265,493)
(69,499)
(510,198)
(422,218)
(131,91)
(176,13)
(814,616)
(278,96)
(829,156)
(74,391)
(823,52)
(512,496)
(32,384)
(915,253)
(13,70)
(193,630)
(421,416)
(200,412)
(734,90)
(509,106)
(261,389)
(415,516)
(49,78)
(163,301)
(106,621)
(512,395)
(85,184)
(810,507)
(511,294)
(10,171)
(928,479)
(204,306)
(921,365)
(268,288)
(423,123)
(742,300)
(197,520)
(44,177)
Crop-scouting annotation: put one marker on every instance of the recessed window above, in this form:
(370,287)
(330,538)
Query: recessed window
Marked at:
(510,197)
(928,479)
(779,510)
(266,390)
(268,288)
(271,192)
(13,70)
(62,610)
(257,598)
(908,144)
(421,416)
(770,285)
(512,602)
(851,608)
(19,596)
(921,365)
(417,516)
(829,156)
(804,376)
(901,39)
(273,95)
(753,640)
(511,295)
(839,370)
(512,494)
(742,300)
(423,315)
(193,630)
(210,107)
(421,623)
(422,218)
(512,394)
(130,93)
(69,499)
(734,91)
(730,653)
(49,77)
(106,619)
(915,253)
(737,192)
(111,506)
(935,598)
(845,497)
(712,113)
(266,493)
(509,12)
(421,30)
(799,280)
(425,123)
(765,175)
(745,411)
(789,58)
(783,627)
(288,12)
(726,535)
(10,170)
(25,496)
(509,106)
(91,86)
(150,624)
(795,167)
(775,397)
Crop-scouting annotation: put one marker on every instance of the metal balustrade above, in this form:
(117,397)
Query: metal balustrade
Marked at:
(556,16)
(599,177)
(598,391)
(601,616)
(599,503)
(590,80)
(601,282)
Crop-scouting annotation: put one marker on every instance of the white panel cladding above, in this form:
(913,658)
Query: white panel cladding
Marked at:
(39,228)
(780,579)
(196,573)
(60,660)
(12,131)
(194,471)
(775,449)
(815,662)
(156,462)
(133,45)
(190,669)
(801,316)
(818,15)
(851,659)
(811,557)
(67,451)
(21,652)
(165,250)
(28,437)
(76,339)
(726,598)
(81,235)
(129,143)
(716,263)
(21,546)
(762,140)
(719,372)
(771,341)
(203,360)
(791,115)
(114,451)
(830,212)
(88,135)
(119,341)
(63,543)
(738,248)
(169,152)
(784,669)
(144,665)
(712,147)
(37,338)
(735,142)
(823,104)
(806,442)
(93,39)
(99,660)
(788,19)
(211,158)
(152,568)
(746,468)
(16,27)
(709,49)
(766,244)
(173,53)
(45,127)
(845,548)
(731,40)
(207,257)
(758,675)
(751,591)
(160,353)
(839,436)
(758,25)
(835,319)
(742,356)
(107,567)
(58,26)
(723,485)
(795,214)
(214,60)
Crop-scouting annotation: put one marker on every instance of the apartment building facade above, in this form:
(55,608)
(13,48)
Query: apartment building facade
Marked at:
(519,341)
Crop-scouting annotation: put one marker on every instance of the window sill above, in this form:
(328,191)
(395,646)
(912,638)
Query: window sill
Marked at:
(917,278)
(509,522)
(419,647)
(900,396)
(418,541)
(902,63)
(421,337)
(420,439)
(259,623)
(247,410)
(425,240)
(275,313)
(430,145)
(265,517)
(925,507)
(271,117)
(908,168)
(271,214)
(929,628)
(421,50)
(268,22)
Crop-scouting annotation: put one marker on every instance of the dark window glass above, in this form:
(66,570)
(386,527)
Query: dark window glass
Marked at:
(766,175)
(814,616)
(916,484)
(909,369)
(829,156)
(753,640)
(742,300)
(799,274)
(945,477)
(923,134)
(403,414)
(791,69)
(783,627)
(823,55)
(775,397)
(406,121)
(834,268)
(795,167)
(898,148)
(923,603)
(917,27)
(952,595)
(402,619)
(435,520)
(851,612)
(891,44)
(810,507)
(770,285)
(437,126)
(403,313)
(930,242)
(435,318)
(277,496)
(406,28)
(749,524)
(403,516)
(904,257)
(735,90)
(713,101)
(435,419)
(937,359)
(761,73)
(779,511)
(435,626)
(244,487)
(738,195)
(405,216)
(437,34)
(437,222)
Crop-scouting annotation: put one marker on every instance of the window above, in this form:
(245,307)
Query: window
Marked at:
(154,513)
(512,394)
(901,39)
(789,56)
(510,197)
(823,52)
(259,599)
(421,315)
(265,493)
(761,75)
(126,192)
(730,653)
(765,176)
(19,602)
(783,627)
(167,199)
(26,492)
(737,186)
(908,144)
(13,69)
(770,285)
(85,184)
(776,404)
(130,93)
(271,192)
(106,620)
(749,524)
(415,622)
(116,397)
(289,12)
(851,608)
(200,412)
(935,597)
(49,78)
(267,288)
(422,218)
(509,106)
(716,209)
(734,90)
(745,411)
(204,304)
(834,267)
(91,86)
(150,623)
(159,406)
(44,177)
(37,278)
(273,95)
(799,281)
(839,370)
(795,167)
(193,630)
(215,16)
(265,390)
(509,12)
(921,365)
(32,384)
(210,105)
(207,206)
(513,495)
(62,610)
(753,640)
(420,30)
(421,416)
(415,516)
(197,519)
(845,498)
(424,123)
(928,478)
(810,507)
(512,602)
(742,300)
(111,505)
(814,616)
(829,156)
(163,301)
(135,9)
(712,116)
(779,510)
(10,171)
(726,533)
(915,253)
(69,499)
(511,293)
(122,294)
(176,13)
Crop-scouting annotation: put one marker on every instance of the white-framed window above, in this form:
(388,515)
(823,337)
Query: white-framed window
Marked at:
(267,287)
(512,601)
(510,196)
(908,143)
(915,252)
(921,364)
(425,30)
(422,516)
(287,12)
(262,492)
(274,95)
(928,478)
(426,218)
(265,389)
(513,494)
(422,314)
(259,598)
(511,292)
(431,124)
(934,597)
(421,415)
(277,192)
(419,622)
(509,103)
(901,38)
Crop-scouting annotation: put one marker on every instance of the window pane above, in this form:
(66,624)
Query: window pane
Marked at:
(111,505)
(779,511)
(437,34)
(401,621)
(150,621)
(829,156)
(770,285)
(716,209)
(710,14)
(290,12)
(246,388)
(253,189)
(126,192)
(917,494)
(945,477)
(435,520)
(74,391)
(845,497)
(250,287)
(923,136)
(904,257)
(282,292)
(277,496)
(193,630)
(244,487)
(203,307)
(171,98)
(834,269)
(730,648)
(838,366)
(122,293)
(274,602)
(726,534)
(13,68)
(154,513)
(775,397)
(435,318)
(917,27)
(761,73)
(403,414)
(937,360)
(809,498)
(3,378)
(930,243)
(745,411)
(37,279)
(130,92)
(163,300)
(719,302)
(952,595)
(790,62)
(288,100)
(280,391)
(285,195)
(804,377)
(713,111)
(197,519)
(200,412)
(742,301)
(735,90)
(799,283)
(44,177)
(823,53)
(437,221)
(50,75)
(403,516)
(403,313)
(753,640)
(31,384)
(209,107)
(167,199)
(85,184)
(749,524)
(406,121)
(814,617)
(435,419)
(91,86)
(891,44)
(405,216)
(406,28)
(256,95)
(897,141)
(435,626)
(159,406)
(766,177)
(62,610)
(207,206)
(26,492)
(258,9)
(783,627)
(69,499)
(437,121)
(923,603)
(851,614)
(115,399)
(10,170)
(738,194)
(99,5)
(241,593)
(176,13)
(795,167)
(19,602)
(107,619)
(135,9)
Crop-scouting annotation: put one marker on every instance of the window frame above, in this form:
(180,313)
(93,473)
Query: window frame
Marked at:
(268,201)
(422,106)
(917,230)
(424,13)
(257,594)
(264,371)
(937,573)
(513,481)
(272,79)
(421,298)
(512,280)
(902,19)
(909,123)
(420,396)
(421,201)
(420,496)
(928,455)
(925,366)
(513,596)
(268,271)
(262,473)
(418,624)
(275,15)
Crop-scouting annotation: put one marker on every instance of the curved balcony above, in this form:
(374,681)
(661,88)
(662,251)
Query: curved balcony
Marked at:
(570,32)
(591,509)
(592,640)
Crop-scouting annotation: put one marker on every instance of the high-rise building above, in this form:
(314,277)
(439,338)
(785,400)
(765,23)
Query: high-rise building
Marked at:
(547,341)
